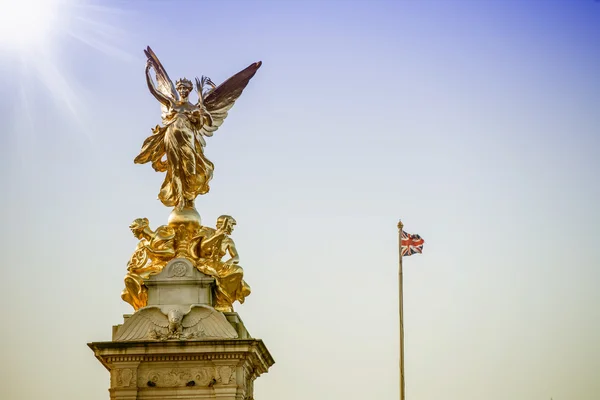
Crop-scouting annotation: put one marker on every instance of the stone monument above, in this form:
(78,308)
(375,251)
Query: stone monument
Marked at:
(184,340)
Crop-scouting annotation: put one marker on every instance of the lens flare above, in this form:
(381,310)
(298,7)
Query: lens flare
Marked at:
(36,42)
(27,24)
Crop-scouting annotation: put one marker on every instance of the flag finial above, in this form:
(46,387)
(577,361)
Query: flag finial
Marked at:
(400,224)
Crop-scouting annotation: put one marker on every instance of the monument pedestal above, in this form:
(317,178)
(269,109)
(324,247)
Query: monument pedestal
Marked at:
(180,347)
(191,369)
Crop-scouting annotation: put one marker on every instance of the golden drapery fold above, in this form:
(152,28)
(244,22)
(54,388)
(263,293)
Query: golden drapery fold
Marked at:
(152,253)
(229,280)
(212,246)
(188,170)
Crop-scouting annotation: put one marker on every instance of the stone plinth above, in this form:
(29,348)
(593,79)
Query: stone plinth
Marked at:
(179,346)
(191,369)
(180,284)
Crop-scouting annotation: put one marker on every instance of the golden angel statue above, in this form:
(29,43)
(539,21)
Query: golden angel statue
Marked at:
(177,147)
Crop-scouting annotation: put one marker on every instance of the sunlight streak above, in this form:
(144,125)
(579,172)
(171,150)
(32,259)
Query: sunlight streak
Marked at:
(32,35)
(99,36)
(28,23)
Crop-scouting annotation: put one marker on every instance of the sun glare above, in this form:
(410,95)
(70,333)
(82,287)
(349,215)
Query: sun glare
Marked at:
(26,24)
(35,35)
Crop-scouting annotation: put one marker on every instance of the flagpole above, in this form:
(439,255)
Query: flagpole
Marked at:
(400,309)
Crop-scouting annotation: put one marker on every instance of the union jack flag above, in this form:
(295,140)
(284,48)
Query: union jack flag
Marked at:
(411,244)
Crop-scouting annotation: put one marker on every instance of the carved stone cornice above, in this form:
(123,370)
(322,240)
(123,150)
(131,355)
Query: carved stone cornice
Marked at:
(251,351)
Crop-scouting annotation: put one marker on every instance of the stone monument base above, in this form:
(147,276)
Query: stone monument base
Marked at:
(187,369)
(179,347)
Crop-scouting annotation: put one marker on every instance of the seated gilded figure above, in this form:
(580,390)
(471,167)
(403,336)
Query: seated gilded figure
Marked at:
(212,246)
(152,253)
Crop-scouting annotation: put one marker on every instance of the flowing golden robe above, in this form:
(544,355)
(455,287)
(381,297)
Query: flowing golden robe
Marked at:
(188,170)
(229,276)
(152,253)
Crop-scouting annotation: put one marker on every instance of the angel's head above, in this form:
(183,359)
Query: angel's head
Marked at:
(184,87)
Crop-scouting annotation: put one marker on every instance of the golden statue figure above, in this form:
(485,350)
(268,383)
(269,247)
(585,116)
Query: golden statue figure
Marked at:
(152,253)
(212,246)
(177,147)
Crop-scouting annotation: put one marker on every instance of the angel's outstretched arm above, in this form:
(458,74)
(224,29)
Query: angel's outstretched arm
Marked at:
(158,95)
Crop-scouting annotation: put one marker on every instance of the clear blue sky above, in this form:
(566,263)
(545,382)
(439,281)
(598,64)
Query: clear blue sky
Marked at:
(476,122)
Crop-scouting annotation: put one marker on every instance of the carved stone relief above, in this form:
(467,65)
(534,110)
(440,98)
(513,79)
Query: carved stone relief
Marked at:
(177,377)
(178,269)
(123,377)
(226,374)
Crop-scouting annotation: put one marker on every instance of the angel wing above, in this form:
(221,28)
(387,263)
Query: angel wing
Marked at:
(205,322)
(220,99)
(164,84)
